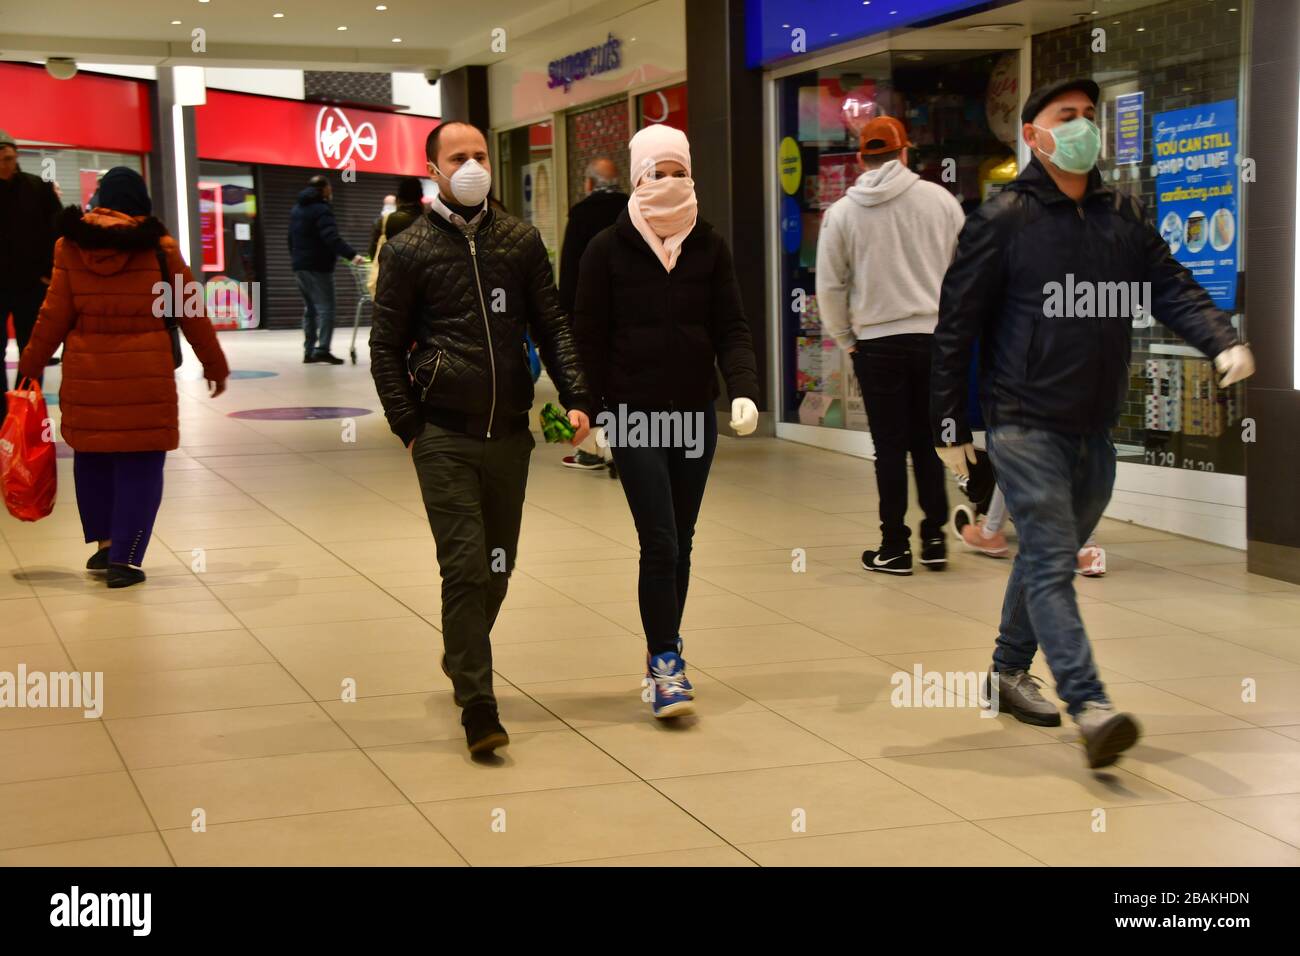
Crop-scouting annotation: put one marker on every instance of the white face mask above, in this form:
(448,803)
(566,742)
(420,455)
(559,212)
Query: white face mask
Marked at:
(469,184)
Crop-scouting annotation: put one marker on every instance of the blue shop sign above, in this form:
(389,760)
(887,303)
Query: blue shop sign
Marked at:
(567,70)
(1195,152)
(776,29)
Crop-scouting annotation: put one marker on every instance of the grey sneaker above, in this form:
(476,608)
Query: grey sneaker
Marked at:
(1018,696)
(1106,733)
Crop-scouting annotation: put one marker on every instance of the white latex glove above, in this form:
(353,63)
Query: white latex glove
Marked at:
(744,416)
(1234,364)
(955,458)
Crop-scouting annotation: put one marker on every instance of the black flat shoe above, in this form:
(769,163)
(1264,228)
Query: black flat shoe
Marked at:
(98,562)
(123,575)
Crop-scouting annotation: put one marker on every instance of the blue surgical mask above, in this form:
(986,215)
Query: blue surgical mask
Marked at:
(1078,144)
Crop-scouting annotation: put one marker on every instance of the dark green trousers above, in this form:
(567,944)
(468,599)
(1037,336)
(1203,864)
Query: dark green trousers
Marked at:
(473,492)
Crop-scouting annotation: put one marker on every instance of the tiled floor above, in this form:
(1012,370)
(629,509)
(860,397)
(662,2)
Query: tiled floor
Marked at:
(316,570)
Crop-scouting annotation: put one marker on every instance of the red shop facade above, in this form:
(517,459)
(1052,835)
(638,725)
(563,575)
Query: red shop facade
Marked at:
(256,154)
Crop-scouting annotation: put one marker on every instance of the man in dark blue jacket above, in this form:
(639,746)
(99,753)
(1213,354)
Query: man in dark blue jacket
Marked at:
(1049,275)
(314,244)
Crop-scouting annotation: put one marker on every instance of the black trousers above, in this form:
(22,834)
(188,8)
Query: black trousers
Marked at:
(473,492)
(894,374)
(664,489)
(25,303)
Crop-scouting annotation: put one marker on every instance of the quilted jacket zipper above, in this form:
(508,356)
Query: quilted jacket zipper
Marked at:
(437,363)
(473,255)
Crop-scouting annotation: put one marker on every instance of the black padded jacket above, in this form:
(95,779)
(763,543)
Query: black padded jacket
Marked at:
(450,314)
(1038,368)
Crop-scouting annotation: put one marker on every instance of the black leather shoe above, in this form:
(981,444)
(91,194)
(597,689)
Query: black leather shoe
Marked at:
(123,575)
(325,358)
(98,562)
(483,730)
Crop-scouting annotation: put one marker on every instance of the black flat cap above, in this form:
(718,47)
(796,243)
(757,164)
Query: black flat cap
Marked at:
(1045,94)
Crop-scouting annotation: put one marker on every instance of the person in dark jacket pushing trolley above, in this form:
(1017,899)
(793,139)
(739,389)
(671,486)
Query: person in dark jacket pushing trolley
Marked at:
(1049,275)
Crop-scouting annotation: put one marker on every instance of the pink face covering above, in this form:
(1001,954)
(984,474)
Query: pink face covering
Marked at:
(664,212)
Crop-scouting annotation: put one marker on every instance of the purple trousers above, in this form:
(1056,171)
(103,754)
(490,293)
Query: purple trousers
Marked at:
(118,495)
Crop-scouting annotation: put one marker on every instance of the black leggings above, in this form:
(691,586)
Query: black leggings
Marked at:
(664,489)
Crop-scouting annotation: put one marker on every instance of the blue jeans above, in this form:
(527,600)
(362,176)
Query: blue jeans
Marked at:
(1057,487)
(317,290)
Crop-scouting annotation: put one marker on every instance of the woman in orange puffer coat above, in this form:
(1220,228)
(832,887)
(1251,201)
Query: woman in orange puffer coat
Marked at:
(118,395)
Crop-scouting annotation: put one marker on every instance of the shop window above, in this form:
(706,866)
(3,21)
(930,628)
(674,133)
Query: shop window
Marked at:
(227,258)
(947,100)
(1171,74)
(594,133)
(526,173)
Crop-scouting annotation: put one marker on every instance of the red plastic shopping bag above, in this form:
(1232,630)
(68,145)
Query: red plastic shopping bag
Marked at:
(28,472)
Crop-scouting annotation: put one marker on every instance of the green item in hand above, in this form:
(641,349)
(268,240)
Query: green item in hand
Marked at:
(555,425)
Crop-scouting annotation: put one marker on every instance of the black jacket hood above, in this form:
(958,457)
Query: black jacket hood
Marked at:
(311,194)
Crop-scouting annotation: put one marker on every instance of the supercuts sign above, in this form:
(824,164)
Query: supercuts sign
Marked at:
(241,128)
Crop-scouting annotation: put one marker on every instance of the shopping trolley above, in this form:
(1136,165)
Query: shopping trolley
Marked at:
(360,275)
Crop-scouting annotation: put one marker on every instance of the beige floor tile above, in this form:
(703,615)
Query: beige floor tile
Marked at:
(62,810)
(600,701)
(859,602)
(366,675)
(411,718)
(445,770)
(285,610)
(1180,834)
(375,836)
(1278,816)
(575,659)
(164,652)
(800,802)
(338,639)
(1225,763)
(879,729)
(939,844)
(1105,621)
(703,856)
(577,823)
(133,849)
(58,750)
(903,632)
(978,784)
(134,620)
(236,734)
(1177,656)
(253,789)
(1219,612)
(1266,700)
(25,622)
(1157,712)
(35,657)
(1283,642)
(703,744)
(760,644)
(829,682)
(523,625)
(718,610)
(142,694)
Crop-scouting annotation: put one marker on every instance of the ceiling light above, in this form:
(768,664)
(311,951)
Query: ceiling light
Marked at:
(381,8)
(176,23)
(993,27)
(397,39)
(342,28)
(278,16)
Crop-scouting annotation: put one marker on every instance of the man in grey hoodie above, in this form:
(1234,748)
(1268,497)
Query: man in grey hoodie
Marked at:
(881,256)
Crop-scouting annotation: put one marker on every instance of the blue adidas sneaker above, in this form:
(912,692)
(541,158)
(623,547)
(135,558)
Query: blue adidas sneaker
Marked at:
(672,692)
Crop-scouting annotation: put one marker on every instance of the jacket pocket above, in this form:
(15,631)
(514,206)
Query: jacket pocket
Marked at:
(425,373)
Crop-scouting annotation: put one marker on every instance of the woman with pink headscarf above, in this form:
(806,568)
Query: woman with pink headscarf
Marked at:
(657,310)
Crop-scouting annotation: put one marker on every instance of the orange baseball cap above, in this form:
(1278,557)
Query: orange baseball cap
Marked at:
(884,134)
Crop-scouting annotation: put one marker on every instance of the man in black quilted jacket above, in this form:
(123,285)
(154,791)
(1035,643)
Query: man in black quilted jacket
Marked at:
(457,291)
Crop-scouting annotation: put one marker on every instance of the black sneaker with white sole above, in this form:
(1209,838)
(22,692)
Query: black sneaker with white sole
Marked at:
(934,554)
(888,562)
